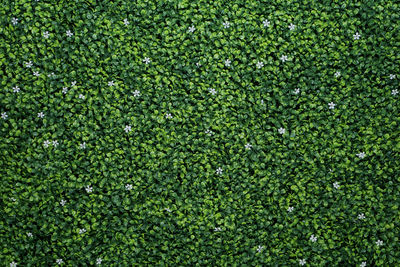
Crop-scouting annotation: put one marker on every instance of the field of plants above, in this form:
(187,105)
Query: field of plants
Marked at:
(199,133)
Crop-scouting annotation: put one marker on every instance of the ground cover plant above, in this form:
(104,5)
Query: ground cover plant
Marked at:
(199,133)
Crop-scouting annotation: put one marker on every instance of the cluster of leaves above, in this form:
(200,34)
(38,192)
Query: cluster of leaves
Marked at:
(179,210)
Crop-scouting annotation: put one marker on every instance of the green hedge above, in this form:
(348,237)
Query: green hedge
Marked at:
(199,133)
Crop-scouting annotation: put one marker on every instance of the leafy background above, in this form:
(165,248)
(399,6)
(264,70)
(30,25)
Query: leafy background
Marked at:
(171,162)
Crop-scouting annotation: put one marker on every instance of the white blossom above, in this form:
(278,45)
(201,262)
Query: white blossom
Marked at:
(73,83)
(297,91)
(81,96)
(69,33)
(51,74)
(209,132)
(13,264)
(336,185)
(192,29)
(128,187)
(248,146)
(89,189)
(292,26)
(111,83)
(46,143)
(281,130)
(146,60)
(260,248)
(284,58)
(40,115)
(302,262)
(127,128)
(337,74)
(59,261)
(36,73)
(331,105)
(313,238)
(65,90)
(260,64)
(226,24)
(198,64)
(98,261)
(363,264)
(28,64)
(392,76)
(212,91)
(266,23)
(46,34)
(290,209)
(4,115)
(361,216)
(379,243)
(126,22)
(16,89)
(82,145)
(14,21)
(219,171)
(29,234)
(361,155)
(168,116)
(62,202)
(227,63)
(55,143)
(217,229)
(82,230)
(395,92)
(356,36)
(167,209)
(136,93)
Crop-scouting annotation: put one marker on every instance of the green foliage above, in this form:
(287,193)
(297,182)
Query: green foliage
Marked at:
(158,197)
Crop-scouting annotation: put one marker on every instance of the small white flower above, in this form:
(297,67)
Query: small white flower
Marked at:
(361,216)
(40,115)
(51,74)
(146,60)
(65,90)
(46,34)
(62,202)
(128,187)
(336,185)
(55,143)
(331,105)
(260,248)
(356,36)
(59,261)
(28,64)
(209,132)
(98,261)
(212,91)
(379,243)
(69,33)
(4,115)
(217,229)
(290,209)
(248,146)
(14,21)
(226,24)
(13,264)
(262,101)
(281,130)
(313,238)
(89,189)
(395,92)
(284,58)
(16,89)
(136,93)
(168,116)
(260,64)
(291,27)
(46,143)
(337,74)
(363,264)
(302,262)
(36,73)
(192,29)
(266,23)
(82,230)
(167,209)
(227,63)
(81,96)
(361,155)
(126,22)
(111,83)
(13,199)
(219,171)
(82,145)
(198,64)
(297,91)
(73,83)
(127,128)
(29,234)
(392,76)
